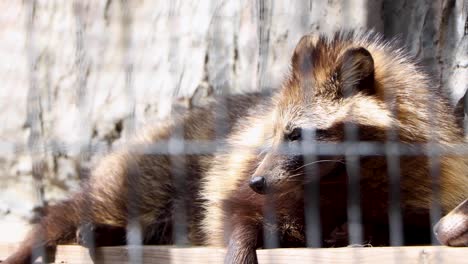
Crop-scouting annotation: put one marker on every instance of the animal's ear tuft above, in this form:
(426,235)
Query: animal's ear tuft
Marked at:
(357,72)
(302,59)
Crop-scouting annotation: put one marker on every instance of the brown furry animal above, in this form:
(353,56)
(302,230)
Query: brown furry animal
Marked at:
(346,80)
(336,82)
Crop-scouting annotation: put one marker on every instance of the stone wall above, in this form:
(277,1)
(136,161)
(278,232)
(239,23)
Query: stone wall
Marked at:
(80,76)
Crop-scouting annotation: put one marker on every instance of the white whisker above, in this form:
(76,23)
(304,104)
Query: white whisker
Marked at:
(319,161)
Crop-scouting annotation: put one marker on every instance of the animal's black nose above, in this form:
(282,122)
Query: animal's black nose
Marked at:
(258,184)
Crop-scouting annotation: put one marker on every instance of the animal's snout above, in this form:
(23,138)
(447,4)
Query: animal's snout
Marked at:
(258,184)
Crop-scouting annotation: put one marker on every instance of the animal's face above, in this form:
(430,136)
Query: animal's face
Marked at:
(330,95)
(452,230)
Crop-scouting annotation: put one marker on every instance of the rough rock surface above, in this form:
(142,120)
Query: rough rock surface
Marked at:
(87,73)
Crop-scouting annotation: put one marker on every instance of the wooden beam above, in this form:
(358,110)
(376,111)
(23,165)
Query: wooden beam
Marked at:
(187,255)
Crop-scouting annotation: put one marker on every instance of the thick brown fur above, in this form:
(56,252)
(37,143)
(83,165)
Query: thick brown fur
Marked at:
(335,81)
(344,79)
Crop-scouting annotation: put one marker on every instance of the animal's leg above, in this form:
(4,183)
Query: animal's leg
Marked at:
(242,245)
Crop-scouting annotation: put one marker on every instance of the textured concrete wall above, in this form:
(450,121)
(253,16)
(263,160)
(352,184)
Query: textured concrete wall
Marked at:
(88,73)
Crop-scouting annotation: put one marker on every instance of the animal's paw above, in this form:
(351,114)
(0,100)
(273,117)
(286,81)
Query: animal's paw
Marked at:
(452,229)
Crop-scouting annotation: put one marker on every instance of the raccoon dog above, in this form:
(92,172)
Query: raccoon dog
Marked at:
(347,86)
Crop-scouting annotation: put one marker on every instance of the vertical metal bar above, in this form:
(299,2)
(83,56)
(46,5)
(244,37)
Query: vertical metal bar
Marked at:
(126,42)
(34,118)
(434,168)
(313,228)
(176,149)
(355,230)
(81,62)
(465,101)
(177,156)
(135,233)
(270,235)
(34,110)
(394,210)
(434,171)
(264,12)
(354,197)
(220,86)
(311,191)
(393,155)
(82,66)
(434,163)
(353,163)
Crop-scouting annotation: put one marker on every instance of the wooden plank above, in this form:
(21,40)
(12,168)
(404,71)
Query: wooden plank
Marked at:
(186,255)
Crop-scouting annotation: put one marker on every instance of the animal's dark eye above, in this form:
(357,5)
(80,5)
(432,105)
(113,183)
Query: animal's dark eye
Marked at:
(295,134)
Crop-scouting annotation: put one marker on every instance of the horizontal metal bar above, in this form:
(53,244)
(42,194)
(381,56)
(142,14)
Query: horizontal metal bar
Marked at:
(190,147)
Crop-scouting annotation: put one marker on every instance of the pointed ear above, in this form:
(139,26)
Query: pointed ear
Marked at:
(302,59)
(357,72)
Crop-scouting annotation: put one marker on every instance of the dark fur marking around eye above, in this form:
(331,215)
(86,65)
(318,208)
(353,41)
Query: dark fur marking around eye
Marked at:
(298,133)
(321,134)
(294,135)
